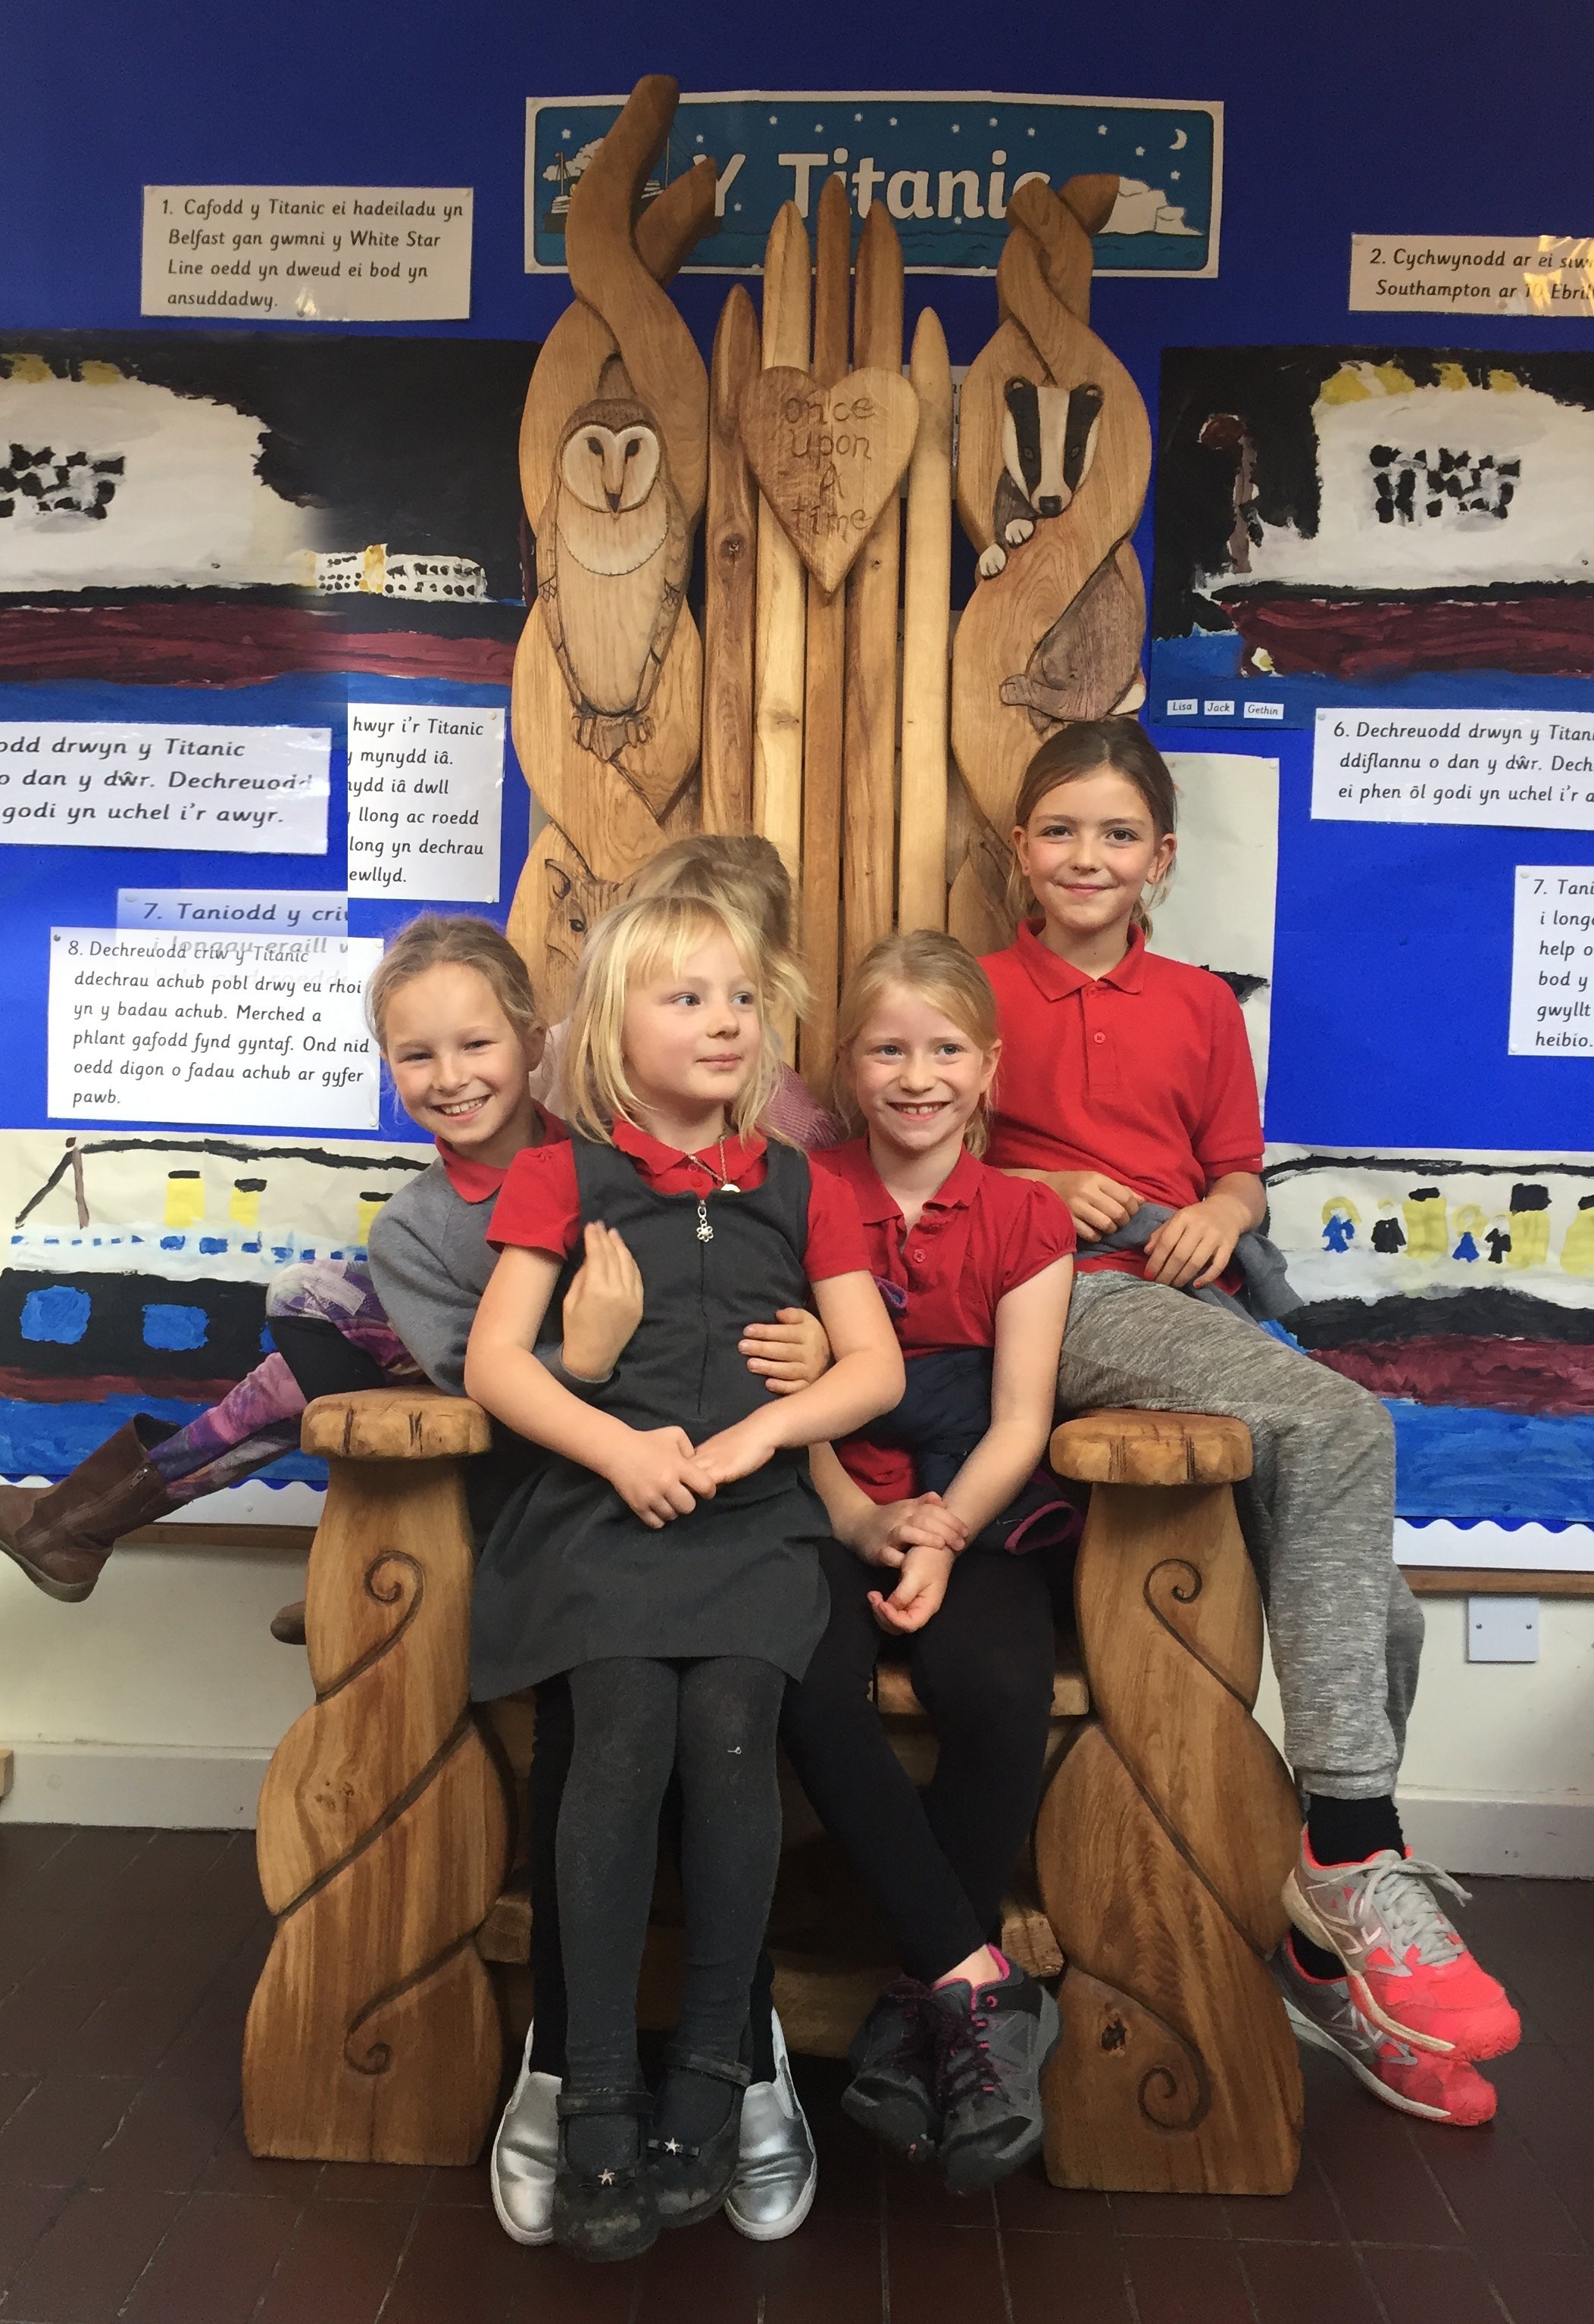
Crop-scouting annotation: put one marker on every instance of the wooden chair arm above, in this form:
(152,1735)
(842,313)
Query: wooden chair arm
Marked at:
(396,1423)
(1152,1448)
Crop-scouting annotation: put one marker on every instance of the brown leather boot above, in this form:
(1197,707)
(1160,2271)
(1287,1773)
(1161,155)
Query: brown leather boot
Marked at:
(61,1534)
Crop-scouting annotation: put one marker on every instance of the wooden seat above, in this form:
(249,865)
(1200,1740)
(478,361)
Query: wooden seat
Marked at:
(894,1697)
(382,1838)
(1165,1836)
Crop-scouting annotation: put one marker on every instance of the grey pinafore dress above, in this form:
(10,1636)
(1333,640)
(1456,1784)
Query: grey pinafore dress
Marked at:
(569,1574)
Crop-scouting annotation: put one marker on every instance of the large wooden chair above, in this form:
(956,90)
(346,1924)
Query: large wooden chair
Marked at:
(1166,1830)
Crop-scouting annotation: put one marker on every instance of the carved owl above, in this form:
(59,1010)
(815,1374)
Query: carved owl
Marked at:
(612,555)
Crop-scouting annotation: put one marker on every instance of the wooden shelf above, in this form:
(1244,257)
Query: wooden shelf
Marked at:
(1489,1582)
(295,1539)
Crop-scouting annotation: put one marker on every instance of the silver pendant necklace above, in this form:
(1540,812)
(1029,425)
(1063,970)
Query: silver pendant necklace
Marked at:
(722,1185)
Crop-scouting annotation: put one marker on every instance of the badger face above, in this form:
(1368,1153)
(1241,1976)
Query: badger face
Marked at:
(1049,440)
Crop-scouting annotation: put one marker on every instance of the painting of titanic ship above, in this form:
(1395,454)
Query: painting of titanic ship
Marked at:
(186,509)
(1366,514)
(1461,1290)
(137,1268)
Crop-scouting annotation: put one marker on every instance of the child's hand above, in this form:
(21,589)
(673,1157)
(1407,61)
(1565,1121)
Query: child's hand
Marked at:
(1098,1205)
(1195,1245)
(657,1474)
(886,1534)
(788,1353)
(738,1450)
(602,1307)
(920,1587)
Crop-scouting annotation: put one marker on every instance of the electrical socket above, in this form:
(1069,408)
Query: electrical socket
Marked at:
(1502,1629)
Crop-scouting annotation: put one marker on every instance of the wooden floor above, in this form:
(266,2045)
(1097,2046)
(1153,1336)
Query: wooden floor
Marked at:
(126,1961)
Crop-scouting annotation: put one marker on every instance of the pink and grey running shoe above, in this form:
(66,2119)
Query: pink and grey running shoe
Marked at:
(1406,1965)
(1325,2017)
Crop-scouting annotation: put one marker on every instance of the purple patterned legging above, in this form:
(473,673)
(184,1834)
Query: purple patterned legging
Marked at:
(258,1421)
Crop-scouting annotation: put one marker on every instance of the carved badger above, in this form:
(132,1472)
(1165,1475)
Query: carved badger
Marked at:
(1048,442)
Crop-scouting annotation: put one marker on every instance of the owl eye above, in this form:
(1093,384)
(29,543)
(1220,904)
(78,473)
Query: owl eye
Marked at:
(632,448)
(595,447)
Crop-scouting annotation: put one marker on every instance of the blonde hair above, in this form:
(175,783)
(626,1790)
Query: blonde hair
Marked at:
(630,942)
(942,972)
(1076,751)
(748,873)
(453,940)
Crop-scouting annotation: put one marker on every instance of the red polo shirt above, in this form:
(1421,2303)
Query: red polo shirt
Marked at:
(979,1236)
(473,1181)
(540,1208)
(1144,1074)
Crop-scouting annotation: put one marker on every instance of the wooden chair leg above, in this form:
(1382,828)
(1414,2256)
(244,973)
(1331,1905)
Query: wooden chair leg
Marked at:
(1161,1848)
(382,1838)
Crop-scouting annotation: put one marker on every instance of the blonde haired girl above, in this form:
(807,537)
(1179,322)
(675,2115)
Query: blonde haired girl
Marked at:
(677,1650)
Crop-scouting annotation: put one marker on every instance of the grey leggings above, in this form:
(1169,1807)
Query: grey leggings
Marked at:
(715,1720)
(1317,1512)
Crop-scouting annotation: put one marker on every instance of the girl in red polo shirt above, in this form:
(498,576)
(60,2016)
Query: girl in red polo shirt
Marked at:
(975,1269)
(667,1556)
(1127,1087)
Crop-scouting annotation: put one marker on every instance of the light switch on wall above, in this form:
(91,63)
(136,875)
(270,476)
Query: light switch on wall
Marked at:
(1502,1629)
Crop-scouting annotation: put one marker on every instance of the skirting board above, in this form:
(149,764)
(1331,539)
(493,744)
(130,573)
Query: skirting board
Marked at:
(133,1785)
(106,1784)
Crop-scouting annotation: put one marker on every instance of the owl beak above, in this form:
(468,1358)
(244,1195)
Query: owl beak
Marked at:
(614,500)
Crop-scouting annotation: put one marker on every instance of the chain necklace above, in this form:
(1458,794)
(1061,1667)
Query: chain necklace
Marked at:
(722,1185)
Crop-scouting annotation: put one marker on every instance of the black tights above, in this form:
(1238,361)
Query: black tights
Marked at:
(937,1863)
(715,1722)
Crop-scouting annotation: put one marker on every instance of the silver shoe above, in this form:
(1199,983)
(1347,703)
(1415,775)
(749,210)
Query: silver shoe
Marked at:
(776,2169)
(526,2155)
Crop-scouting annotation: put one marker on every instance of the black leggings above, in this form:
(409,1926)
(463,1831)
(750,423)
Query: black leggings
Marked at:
(714,1722)
(937,1863)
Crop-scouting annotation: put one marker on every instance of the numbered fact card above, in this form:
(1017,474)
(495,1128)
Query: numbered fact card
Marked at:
(426,789)
(168,1027)
(1526,767)
(236,790)
(309,254)
(1552,962)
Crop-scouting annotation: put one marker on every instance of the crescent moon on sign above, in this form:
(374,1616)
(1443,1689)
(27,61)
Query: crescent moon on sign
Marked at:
(1180,140)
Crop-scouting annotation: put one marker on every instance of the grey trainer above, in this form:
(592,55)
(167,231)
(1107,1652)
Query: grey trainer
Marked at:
(525,2156)
(995,2038)
(776,2169)
(893,2056)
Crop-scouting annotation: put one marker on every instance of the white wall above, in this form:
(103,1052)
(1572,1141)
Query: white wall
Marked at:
(1499,1765)
(158,1700)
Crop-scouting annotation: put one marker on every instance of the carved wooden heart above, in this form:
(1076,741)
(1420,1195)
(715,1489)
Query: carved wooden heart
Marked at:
(828,458)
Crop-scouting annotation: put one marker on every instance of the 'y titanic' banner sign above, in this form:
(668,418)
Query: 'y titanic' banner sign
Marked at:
(944,166)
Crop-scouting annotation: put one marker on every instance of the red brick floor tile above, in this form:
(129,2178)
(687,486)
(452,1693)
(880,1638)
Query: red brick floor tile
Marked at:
(1310,2283)
(830,2270)
(131,2030)
(1168,2214)
(460,2265)
(1175,2282)
(374,2183)
(1065,2279)
(1308,2214)
(548,2286)
(916,2190)
(81,1876)
(25,1848)
(37,2020)
(1448,2285)
(1544,2287)
(1379,2171)
(683,2262)
(216,2259)
(57,2136)
(167,2134)
(13,2090)
(449,2184)
(1498,2190)
(83,2269)
(337,2268)
(940,2272)
(232,2170)
(167,1873)
(1028,2199)
(24,2214)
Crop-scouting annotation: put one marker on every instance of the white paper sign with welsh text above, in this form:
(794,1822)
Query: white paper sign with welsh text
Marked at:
(1553,961)
(169,1027)
(1526,274)
(243,790)
(426,788)
(1531,768)
(309,254)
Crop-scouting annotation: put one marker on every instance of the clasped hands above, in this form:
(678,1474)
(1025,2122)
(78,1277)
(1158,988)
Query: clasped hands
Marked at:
(1189,1250)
